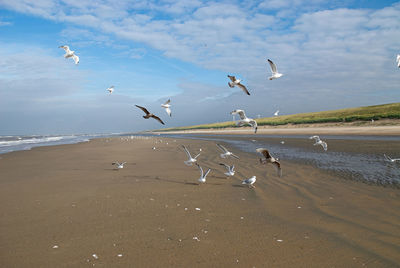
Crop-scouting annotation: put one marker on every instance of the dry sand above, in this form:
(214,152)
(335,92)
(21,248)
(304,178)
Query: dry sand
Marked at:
(69,196)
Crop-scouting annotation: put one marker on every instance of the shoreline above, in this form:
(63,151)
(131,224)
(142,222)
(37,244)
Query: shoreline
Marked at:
(69,196)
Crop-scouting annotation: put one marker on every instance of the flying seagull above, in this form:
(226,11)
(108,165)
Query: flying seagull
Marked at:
(398,60)
(274,71)
(231,169)
(166,105)
(250,181)
(392,160)
(203,176)
(148,114)
(276,113)
(318,141)
(268,158)
(245,120)
(226,153)
(119,165)
(70,54)
(110,89)
(236,82)
(191,159)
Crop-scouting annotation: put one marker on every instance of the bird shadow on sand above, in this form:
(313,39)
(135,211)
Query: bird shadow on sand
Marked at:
(240,186)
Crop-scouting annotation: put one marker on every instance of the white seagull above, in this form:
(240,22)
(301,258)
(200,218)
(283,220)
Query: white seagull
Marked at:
(276,113)
(392,160)
(70,54)
(274,71)
(268,158)
(318,141)
(250,181)
(203,176)
(166,105)
(110,89)
(236,82)
(191,159)
(231,169)
(226,153)
(398,60)
(119,165)
(245,120)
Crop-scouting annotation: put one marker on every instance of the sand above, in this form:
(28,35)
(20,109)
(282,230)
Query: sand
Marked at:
(69,196)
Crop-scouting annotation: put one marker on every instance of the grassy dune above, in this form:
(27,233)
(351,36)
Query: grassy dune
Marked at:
(376,112)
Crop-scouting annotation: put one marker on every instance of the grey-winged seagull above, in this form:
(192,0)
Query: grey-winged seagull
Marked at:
(230,169)
(245,120)
(318,141)
(110,89)
(70,54)
(389,159)
(226,153)
(398,60)
(203,175)
(236,82)
(191,159)
(274,70)
(167,106)
(268,158)
(119,165)
(250,181)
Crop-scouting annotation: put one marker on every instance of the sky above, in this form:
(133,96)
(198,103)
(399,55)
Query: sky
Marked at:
(333,54)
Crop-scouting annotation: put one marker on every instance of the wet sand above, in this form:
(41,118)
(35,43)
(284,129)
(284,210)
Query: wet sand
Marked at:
(70,196)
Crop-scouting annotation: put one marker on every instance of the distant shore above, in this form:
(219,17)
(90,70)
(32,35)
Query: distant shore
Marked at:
(384,128)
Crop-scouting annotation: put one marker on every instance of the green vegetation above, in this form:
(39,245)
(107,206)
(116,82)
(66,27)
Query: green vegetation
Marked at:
(376,112)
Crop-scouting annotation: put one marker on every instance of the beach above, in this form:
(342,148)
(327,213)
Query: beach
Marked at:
(62,204)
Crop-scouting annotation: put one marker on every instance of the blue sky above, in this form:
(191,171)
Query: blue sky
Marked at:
(335,55)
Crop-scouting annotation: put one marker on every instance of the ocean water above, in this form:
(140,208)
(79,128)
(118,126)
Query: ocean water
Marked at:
(352,157)
(18,143)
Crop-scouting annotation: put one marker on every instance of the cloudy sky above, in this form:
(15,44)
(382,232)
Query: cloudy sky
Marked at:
(334,54)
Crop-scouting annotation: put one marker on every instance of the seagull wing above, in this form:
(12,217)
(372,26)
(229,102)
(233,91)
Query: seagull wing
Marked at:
(264,152)
(208,171)
(168,110)
(143,109)
(272,65)
(75,58)
(235,156)
(66,48)
(243,88)
(187,151)
(158,119)
(233,78)
(324,145)
(278,168)
(201,169)
(168,101)
(222,148)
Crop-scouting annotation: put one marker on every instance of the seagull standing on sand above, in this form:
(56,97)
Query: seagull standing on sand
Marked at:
(119,165)
(392,160)
(245,120)
(191,159)
(274,71)
(203,176)
(276,113)
(226,153)
(398,60)
(318,141)
(268,158)
(231,169)
(110,89)
(166,105)
(148,114)
(236,82)
(70,54)
(250,181)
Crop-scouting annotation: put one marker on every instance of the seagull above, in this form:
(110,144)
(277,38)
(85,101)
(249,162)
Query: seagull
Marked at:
(226,152)
(70,54)
(231,169)
(191,159)
(250,181)
(270,159)
(203,176)
(392,160)
(110,89)
(398,60)
(276,113)
(236,82)
(119,165)
(244,120)
(148,114)
(318,141)
(166,105)
(274,71)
